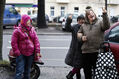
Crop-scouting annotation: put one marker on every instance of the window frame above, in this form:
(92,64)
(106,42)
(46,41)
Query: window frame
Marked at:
(52,11)
(62,11)
(113,36)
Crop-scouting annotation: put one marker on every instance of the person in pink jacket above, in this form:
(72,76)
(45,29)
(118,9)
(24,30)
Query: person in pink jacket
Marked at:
(26,47)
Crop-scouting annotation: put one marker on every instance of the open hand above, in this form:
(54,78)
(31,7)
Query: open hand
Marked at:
(84,38)
(104,10)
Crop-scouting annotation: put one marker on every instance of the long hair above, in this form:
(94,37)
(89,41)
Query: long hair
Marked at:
(87,13)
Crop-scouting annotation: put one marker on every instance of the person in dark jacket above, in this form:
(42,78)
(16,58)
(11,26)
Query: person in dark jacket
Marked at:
(68,23)
(73,57)
(91,33)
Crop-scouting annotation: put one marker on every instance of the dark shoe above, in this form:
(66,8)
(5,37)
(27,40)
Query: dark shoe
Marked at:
(39,62)
(70,75)
(78,75)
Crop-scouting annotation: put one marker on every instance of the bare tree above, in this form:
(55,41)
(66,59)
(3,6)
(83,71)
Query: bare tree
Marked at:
(2,5)
(41,23)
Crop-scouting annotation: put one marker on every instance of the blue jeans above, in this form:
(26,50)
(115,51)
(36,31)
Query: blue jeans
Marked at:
(23,65)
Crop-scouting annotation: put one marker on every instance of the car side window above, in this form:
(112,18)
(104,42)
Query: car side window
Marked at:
(114,35)
(12,10)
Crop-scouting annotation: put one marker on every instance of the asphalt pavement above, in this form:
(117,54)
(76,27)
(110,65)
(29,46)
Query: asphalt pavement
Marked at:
(56,72)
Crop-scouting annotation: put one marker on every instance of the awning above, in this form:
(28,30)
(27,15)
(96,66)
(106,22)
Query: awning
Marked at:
(23,5)
(34,5)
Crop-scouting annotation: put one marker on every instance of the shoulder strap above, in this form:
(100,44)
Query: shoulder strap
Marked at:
(27,33)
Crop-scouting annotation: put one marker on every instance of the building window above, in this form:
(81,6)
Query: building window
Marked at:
(18,11)
(12,10)
(62,11)
(76,9)
(34,12)
(29,12)
(51,11)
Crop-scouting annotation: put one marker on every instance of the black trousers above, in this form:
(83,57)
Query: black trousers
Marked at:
(89,64)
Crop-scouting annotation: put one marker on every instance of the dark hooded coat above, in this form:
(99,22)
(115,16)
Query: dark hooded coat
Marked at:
(74,55)
(68,24)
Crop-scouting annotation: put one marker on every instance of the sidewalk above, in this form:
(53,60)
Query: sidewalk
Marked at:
(51,31)
(47,72)
(55,30)
(53,72)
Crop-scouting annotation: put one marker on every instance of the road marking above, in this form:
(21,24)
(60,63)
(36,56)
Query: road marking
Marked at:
(51,40)
(9,41)
(54,47)
(9,47)
(49,33)
(53,59)
(54,39)
(47,47)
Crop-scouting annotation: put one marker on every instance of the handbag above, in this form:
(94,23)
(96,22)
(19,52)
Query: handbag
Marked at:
(105,65)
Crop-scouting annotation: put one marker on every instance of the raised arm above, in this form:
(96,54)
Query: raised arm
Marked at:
(105,24)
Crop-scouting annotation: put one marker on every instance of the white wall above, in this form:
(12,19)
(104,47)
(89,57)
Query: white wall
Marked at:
(20,1)
(69,7)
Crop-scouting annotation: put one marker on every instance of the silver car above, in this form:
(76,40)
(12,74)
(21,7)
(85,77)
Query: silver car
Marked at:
(34,18)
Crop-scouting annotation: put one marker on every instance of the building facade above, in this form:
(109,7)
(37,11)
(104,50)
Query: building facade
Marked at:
(61,7)
(113,7)
(55,8)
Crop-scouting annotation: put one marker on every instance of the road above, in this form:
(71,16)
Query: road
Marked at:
(53,50)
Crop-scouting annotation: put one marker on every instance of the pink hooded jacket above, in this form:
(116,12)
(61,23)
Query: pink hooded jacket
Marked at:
(24,39)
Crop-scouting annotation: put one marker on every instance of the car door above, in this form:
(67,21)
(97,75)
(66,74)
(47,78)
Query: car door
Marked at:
(6,20)
(13,16)
(113,37)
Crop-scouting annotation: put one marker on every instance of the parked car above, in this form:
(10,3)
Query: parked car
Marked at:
(74,20)
(11,16)
(47,18)
(114,19)
(112,35)
(34,18)
(58,19)
(51,19)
